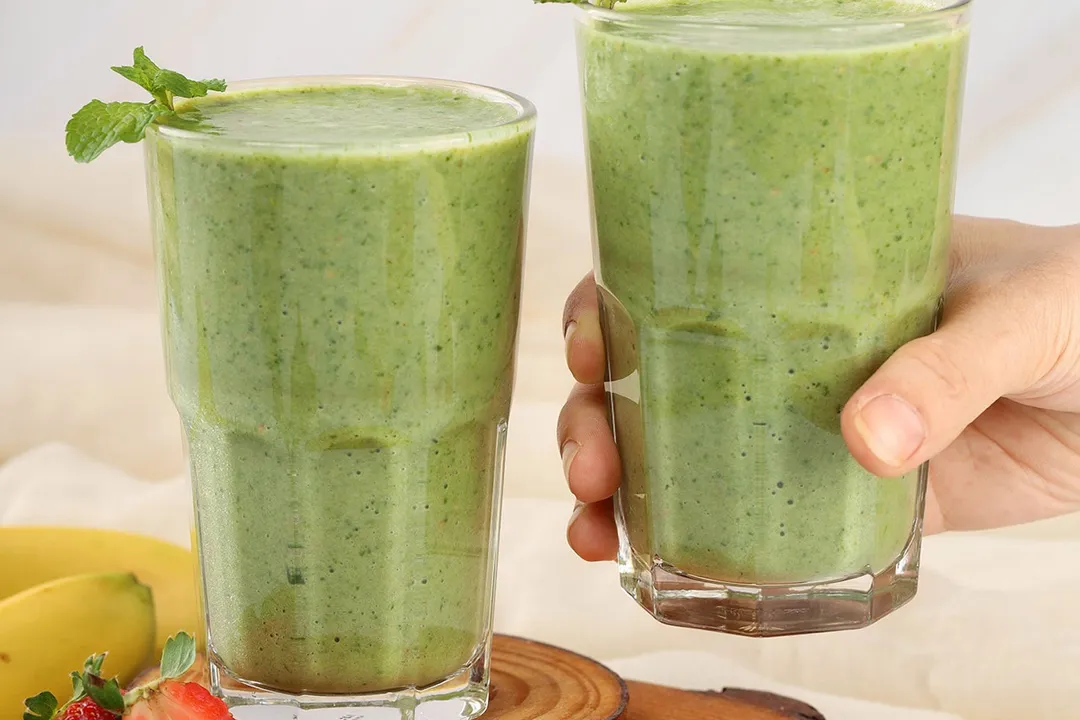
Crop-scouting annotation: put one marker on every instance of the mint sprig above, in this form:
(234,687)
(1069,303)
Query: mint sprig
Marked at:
(98,125)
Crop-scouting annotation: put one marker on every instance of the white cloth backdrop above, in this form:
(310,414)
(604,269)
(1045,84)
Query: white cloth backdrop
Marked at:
(87,434)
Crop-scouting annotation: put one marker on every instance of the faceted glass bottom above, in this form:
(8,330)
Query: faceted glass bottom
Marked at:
(461,696)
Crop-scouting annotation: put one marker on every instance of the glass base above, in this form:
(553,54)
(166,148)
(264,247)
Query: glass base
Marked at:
(677,598)
(461,696)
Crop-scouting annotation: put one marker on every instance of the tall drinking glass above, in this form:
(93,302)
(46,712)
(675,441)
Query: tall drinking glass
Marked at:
(340,272)
(772,185)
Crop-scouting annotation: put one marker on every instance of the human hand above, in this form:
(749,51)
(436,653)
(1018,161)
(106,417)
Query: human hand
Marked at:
(992,398)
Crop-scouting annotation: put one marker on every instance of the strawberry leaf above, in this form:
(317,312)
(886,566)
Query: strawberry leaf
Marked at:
(178,656)
(108,695)
(93,664)
(78,687)
(41,707)
(80,681)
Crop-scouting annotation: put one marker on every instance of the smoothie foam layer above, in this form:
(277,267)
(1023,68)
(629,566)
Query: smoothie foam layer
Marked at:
(351,116)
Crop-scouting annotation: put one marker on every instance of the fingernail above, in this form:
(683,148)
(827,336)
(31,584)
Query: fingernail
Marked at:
(892,429)
(571,328)
(569,451)
(579,508)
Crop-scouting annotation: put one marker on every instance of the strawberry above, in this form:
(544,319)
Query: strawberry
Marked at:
(86,709)
(179,701)
(166,698)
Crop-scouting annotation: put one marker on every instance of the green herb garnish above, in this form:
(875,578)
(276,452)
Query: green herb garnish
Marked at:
(98,125)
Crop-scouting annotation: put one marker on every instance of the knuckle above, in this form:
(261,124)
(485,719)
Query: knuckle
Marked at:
(935,358)
(578,414)
(562,425)
(1044,296)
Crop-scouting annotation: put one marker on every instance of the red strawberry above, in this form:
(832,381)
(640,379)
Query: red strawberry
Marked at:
(86,709)
(178,701)
(166,698)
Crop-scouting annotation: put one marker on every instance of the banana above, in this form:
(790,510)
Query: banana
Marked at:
(30,556)
(48,631)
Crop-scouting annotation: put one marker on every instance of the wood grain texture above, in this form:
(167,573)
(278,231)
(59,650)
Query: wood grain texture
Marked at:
(657,702)
(531,680)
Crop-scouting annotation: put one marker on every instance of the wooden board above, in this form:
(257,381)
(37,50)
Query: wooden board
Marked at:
(534,681)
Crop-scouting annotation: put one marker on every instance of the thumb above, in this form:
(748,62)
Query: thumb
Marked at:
(931,389)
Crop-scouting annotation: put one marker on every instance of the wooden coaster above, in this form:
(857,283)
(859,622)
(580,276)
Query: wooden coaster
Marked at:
(534,681)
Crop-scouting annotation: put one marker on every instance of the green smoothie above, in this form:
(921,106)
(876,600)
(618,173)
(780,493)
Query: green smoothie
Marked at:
(340,272)
(772,222)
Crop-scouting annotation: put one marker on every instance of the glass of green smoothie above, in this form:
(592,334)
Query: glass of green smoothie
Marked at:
(340,269)
(772,185)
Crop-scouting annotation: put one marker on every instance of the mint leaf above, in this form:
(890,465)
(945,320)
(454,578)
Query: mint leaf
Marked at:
(41,707)
(178,656)
(165,84)
(180,86)
(133,74)
(98,126)
(142,72)
(143,62)
(108,696)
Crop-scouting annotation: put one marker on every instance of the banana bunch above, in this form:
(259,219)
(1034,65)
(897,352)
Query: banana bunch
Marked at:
(67,593)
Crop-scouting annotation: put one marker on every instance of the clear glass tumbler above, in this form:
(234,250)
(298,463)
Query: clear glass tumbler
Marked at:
(340,268)
(772,193)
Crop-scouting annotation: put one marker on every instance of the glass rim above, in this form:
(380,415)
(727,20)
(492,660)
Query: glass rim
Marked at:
(525,113)
(931,15)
